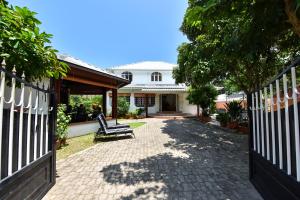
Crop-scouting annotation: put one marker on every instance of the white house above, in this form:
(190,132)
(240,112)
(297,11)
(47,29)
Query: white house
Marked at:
(153,80)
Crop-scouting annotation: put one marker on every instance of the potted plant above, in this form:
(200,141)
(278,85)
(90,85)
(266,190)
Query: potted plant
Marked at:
(63,121)
(223,118)
(234,110)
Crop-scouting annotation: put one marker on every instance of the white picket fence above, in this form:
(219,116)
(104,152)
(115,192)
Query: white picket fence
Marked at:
(24,99)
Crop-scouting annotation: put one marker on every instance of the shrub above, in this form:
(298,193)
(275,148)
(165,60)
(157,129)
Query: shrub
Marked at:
(223,118)
(123,107)
(63,121)
(234,110)
(203,96)
(139,111)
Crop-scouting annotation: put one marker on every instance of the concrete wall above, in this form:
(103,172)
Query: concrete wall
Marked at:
(78,129)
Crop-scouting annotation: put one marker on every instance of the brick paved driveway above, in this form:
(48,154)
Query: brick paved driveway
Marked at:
(169,159)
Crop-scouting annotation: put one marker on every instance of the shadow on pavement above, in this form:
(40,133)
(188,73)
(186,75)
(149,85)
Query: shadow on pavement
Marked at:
(200,163)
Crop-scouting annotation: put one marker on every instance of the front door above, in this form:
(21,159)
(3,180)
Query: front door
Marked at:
(168,102)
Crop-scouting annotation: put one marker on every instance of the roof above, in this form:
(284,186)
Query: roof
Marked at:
(232,97)
(157,87)
(147,65)
(82,64)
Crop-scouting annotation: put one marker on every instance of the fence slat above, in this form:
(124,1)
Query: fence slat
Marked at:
(2,87)
(36,108)
(21,125)
(272,124)
(296,120)
(42,127)
(287,125)
(279,124)
(253,123)
(29,126)
(262,124)
(257,122)
(11,124)
(267,123)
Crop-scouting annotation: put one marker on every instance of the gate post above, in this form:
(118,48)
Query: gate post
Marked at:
(52,120)
(250,138)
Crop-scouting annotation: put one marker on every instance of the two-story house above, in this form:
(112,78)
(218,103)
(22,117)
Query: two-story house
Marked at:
(154,81)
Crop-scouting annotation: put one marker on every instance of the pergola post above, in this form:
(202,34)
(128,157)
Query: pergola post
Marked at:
(146,105)
(57,86)
(104,101)
(114,103)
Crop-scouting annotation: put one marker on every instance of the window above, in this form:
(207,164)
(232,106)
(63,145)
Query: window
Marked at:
(156,76)
(127,75)
(140,101)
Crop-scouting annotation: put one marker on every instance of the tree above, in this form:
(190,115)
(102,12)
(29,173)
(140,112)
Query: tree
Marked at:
(204,97)
(123,107)
(291,9)
(24,46)
(244,42)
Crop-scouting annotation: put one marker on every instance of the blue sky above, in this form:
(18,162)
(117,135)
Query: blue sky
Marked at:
(112,32)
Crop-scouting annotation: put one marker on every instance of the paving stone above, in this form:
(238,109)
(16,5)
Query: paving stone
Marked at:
(168,159)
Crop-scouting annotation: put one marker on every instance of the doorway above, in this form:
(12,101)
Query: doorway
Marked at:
(168,102)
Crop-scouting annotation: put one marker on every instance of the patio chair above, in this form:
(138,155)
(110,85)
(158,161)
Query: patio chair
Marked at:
(115,131)
(114,126)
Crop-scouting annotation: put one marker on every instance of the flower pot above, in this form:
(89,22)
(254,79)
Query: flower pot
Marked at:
(63,141)
(57,144)
(204,119)
(233,125)
(244,129)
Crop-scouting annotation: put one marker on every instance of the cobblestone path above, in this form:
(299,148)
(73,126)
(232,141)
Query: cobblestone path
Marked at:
(169,159)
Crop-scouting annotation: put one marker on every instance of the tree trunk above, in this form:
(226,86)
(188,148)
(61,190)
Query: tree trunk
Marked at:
(290,11)
(198,111)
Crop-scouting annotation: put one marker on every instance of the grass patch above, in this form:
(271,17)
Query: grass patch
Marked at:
(80,143)
(136,124)
(75,145)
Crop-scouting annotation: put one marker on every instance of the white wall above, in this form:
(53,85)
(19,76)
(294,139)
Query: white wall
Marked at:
(153,109)
(144,76)
(184,105)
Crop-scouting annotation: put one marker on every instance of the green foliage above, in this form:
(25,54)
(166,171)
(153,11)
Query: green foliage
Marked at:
(234,109)
(244,42)
(87,100)
(223,118)
(24,46)
(63,121)
(203,96)
(123,107)
(139,111)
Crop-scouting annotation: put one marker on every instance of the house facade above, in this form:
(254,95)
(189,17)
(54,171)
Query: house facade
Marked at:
(153,81)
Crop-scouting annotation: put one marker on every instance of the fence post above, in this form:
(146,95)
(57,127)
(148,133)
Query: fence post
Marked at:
(273,125)
(262,134)
(21,104)
(2,86)
(251,139)
(287,125)
(52,126)
(296,120)
(267,122)
(279,123)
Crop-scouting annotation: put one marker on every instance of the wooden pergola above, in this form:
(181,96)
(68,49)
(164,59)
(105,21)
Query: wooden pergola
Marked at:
(84,79)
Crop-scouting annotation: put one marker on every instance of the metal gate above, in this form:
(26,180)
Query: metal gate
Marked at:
(274,142)
(27,124)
